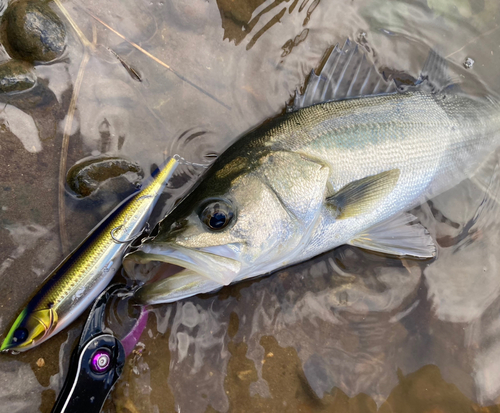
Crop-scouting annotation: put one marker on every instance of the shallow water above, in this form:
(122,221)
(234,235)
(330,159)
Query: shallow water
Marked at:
(347,330)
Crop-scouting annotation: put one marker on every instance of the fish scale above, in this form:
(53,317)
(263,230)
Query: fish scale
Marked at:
(454,149)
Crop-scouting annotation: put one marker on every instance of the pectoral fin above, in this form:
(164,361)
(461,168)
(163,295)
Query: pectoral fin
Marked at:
(361,196)
(399,236)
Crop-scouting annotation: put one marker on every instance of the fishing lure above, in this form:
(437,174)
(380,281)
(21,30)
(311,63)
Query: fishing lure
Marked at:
(81,277)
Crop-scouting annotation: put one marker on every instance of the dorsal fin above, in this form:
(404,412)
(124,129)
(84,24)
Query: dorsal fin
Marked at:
(434,77)
(347,73)
(435,72)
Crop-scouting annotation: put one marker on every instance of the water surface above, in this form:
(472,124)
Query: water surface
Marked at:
(349,330)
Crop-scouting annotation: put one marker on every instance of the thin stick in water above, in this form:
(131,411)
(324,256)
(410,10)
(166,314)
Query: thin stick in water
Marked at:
(160,62)
(472,41)
(87,46)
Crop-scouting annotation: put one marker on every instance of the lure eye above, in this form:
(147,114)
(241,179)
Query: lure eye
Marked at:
(20,335)
(217,215)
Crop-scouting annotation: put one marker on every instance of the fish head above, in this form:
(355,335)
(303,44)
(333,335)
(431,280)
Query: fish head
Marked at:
(246,218)
(30,329)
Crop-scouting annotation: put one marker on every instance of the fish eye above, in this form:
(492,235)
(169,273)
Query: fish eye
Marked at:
(216,215)
(20,335)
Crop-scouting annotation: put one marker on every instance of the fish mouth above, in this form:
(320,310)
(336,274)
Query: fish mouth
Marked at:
(172,272)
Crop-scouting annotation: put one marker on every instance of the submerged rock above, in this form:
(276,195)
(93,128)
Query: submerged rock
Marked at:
(88,175)
(16,76)
(32,31)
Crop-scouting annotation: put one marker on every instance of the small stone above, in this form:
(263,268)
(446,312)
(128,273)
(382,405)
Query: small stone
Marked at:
(16,76)
(86,176)
(270,354)
(40,362)
(243,375)
(468,63)
(31,31)
(362,36)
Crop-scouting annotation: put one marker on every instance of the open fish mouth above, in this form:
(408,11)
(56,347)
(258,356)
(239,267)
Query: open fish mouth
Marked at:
(174,273)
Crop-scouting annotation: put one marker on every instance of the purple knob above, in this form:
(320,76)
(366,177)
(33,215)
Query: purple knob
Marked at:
(101,361)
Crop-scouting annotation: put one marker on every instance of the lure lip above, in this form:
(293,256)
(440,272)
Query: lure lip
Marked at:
(8,340)
(39,325)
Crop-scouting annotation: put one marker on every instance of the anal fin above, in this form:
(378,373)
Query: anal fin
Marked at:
(399,236)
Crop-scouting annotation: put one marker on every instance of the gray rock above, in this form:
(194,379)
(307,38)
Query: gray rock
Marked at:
(88,175)
(31,31)
(16,76)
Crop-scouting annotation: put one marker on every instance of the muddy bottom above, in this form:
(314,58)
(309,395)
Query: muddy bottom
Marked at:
(347,331)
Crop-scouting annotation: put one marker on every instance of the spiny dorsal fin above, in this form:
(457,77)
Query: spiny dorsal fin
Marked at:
(347,73)
(435,72)
(434,77)
(361,196)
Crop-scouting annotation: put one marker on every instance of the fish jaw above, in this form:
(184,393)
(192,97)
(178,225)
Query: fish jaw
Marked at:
(203,270)
(177,287)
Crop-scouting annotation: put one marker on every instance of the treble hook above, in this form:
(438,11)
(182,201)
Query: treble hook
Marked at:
(183,161)
(112,233)
(118,241)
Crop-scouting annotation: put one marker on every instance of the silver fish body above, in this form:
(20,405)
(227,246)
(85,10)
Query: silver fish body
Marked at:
(434,141)
(323,176)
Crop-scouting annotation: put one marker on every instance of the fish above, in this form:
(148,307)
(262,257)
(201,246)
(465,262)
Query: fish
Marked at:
(344,165)
(134,74)
(85,273)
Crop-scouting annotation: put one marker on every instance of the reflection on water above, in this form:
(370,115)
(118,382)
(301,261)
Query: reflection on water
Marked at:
(347,331)
(238,21)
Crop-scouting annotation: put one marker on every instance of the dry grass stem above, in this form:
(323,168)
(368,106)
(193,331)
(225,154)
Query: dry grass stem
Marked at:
(75,27)
(136,46)
(68,124)
(472,41)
